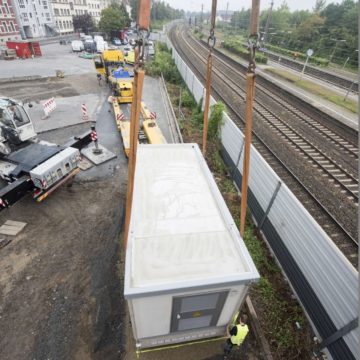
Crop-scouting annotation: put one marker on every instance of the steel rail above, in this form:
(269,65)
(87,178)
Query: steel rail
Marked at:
(316,203)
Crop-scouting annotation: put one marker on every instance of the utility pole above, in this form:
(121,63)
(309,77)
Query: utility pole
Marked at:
(201,17)
(268,21)
(226,12)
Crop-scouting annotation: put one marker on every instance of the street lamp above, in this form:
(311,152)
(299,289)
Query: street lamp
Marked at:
(336,44)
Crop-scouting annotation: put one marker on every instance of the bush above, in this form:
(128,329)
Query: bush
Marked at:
(314,59)
(187,100)
(215,120)
(163,63)
(197,116)
(238,48)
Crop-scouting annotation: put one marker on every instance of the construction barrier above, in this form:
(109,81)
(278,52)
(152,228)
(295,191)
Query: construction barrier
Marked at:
(49,106)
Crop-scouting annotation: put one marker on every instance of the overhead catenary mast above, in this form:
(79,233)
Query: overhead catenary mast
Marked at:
(268,20)
(211,43)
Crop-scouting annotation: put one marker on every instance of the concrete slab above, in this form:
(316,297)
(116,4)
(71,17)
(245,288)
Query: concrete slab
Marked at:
(97,158)
(55,57)
(12,227)
(67,112)
(109,136)
(84,164)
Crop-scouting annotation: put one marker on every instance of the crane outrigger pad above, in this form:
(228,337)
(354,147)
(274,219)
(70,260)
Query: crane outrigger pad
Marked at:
(98,158)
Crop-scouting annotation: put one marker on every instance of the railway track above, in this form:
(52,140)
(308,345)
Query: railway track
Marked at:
(292,128)
(331,78)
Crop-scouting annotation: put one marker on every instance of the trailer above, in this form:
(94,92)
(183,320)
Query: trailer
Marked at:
(187,269)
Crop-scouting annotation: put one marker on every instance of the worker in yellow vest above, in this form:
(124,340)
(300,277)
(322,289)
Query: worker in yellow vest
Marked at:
(237,335)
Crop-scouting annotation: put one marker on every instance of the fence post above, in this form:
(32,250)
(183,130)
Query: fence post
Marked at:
(270,204)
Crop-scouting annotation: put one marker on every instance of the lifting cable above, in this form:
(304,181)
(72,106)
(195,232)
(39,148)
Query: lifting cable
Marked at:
(253,43)
(143,29)
(211,44)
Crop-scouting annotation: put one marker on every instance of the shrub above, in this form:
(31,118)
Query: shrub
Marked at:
(215,120)
(314,59)
(163,63)
(238,48)
(187,100)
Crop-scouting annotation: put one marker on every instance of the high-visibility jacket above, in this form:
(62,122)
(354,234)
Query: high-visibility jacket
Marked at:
(242,330)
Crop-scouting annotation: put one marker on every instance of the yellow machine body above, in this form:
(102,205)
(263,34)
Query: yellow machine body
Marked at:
(108,59)
(130,57)
(152,131)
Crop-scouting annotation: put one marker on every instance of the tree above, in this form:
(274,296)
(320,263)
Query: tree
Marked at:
(134,8)
(114,18)
(319,6)
(159,11)
(84,23)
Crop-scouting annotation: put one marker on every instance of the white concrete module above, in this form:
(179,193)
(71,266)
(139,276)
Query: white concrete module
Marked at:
(187,268)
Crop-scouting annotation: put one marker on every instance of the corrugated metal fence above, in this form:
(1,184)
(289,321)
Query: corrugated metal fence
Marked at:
(324,281)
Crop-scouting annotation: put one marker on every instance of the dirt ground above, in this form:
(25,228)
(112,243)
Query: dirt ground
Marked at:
(61,294)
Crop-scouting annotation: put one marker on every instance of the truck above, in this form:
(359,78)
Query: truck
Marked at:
(28,164)
(107,61)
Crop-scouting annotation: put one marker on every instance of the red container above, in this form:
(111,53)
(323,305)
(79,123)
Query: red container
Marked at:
(25,49)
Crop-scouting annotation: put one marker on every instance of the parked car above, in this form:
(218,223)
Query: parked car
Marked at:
(101,46)
(77,46)
(87,38)
(124,42)
(90,46)
(116,41)
(98,38)
(151,50)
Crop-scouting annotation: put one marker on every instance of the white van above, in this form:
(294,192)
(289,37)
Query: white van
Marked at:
(77,46)
(98,38)
(101,46)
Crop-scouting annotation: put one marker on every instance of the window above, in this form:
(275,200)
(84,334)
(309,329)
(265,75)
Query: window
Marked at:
(30,15)
(25,17)
(12,26)
(56,12)
(47,16)
(21,4)
(5,26)
(7,11)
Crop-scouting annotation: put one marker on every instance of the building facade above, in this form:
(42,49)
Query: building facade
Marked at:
(9,29)
(35,18)
(63,12)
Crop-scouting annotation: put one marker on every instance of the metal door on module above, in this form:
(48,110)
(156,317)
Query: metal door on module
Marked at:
(197,311)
